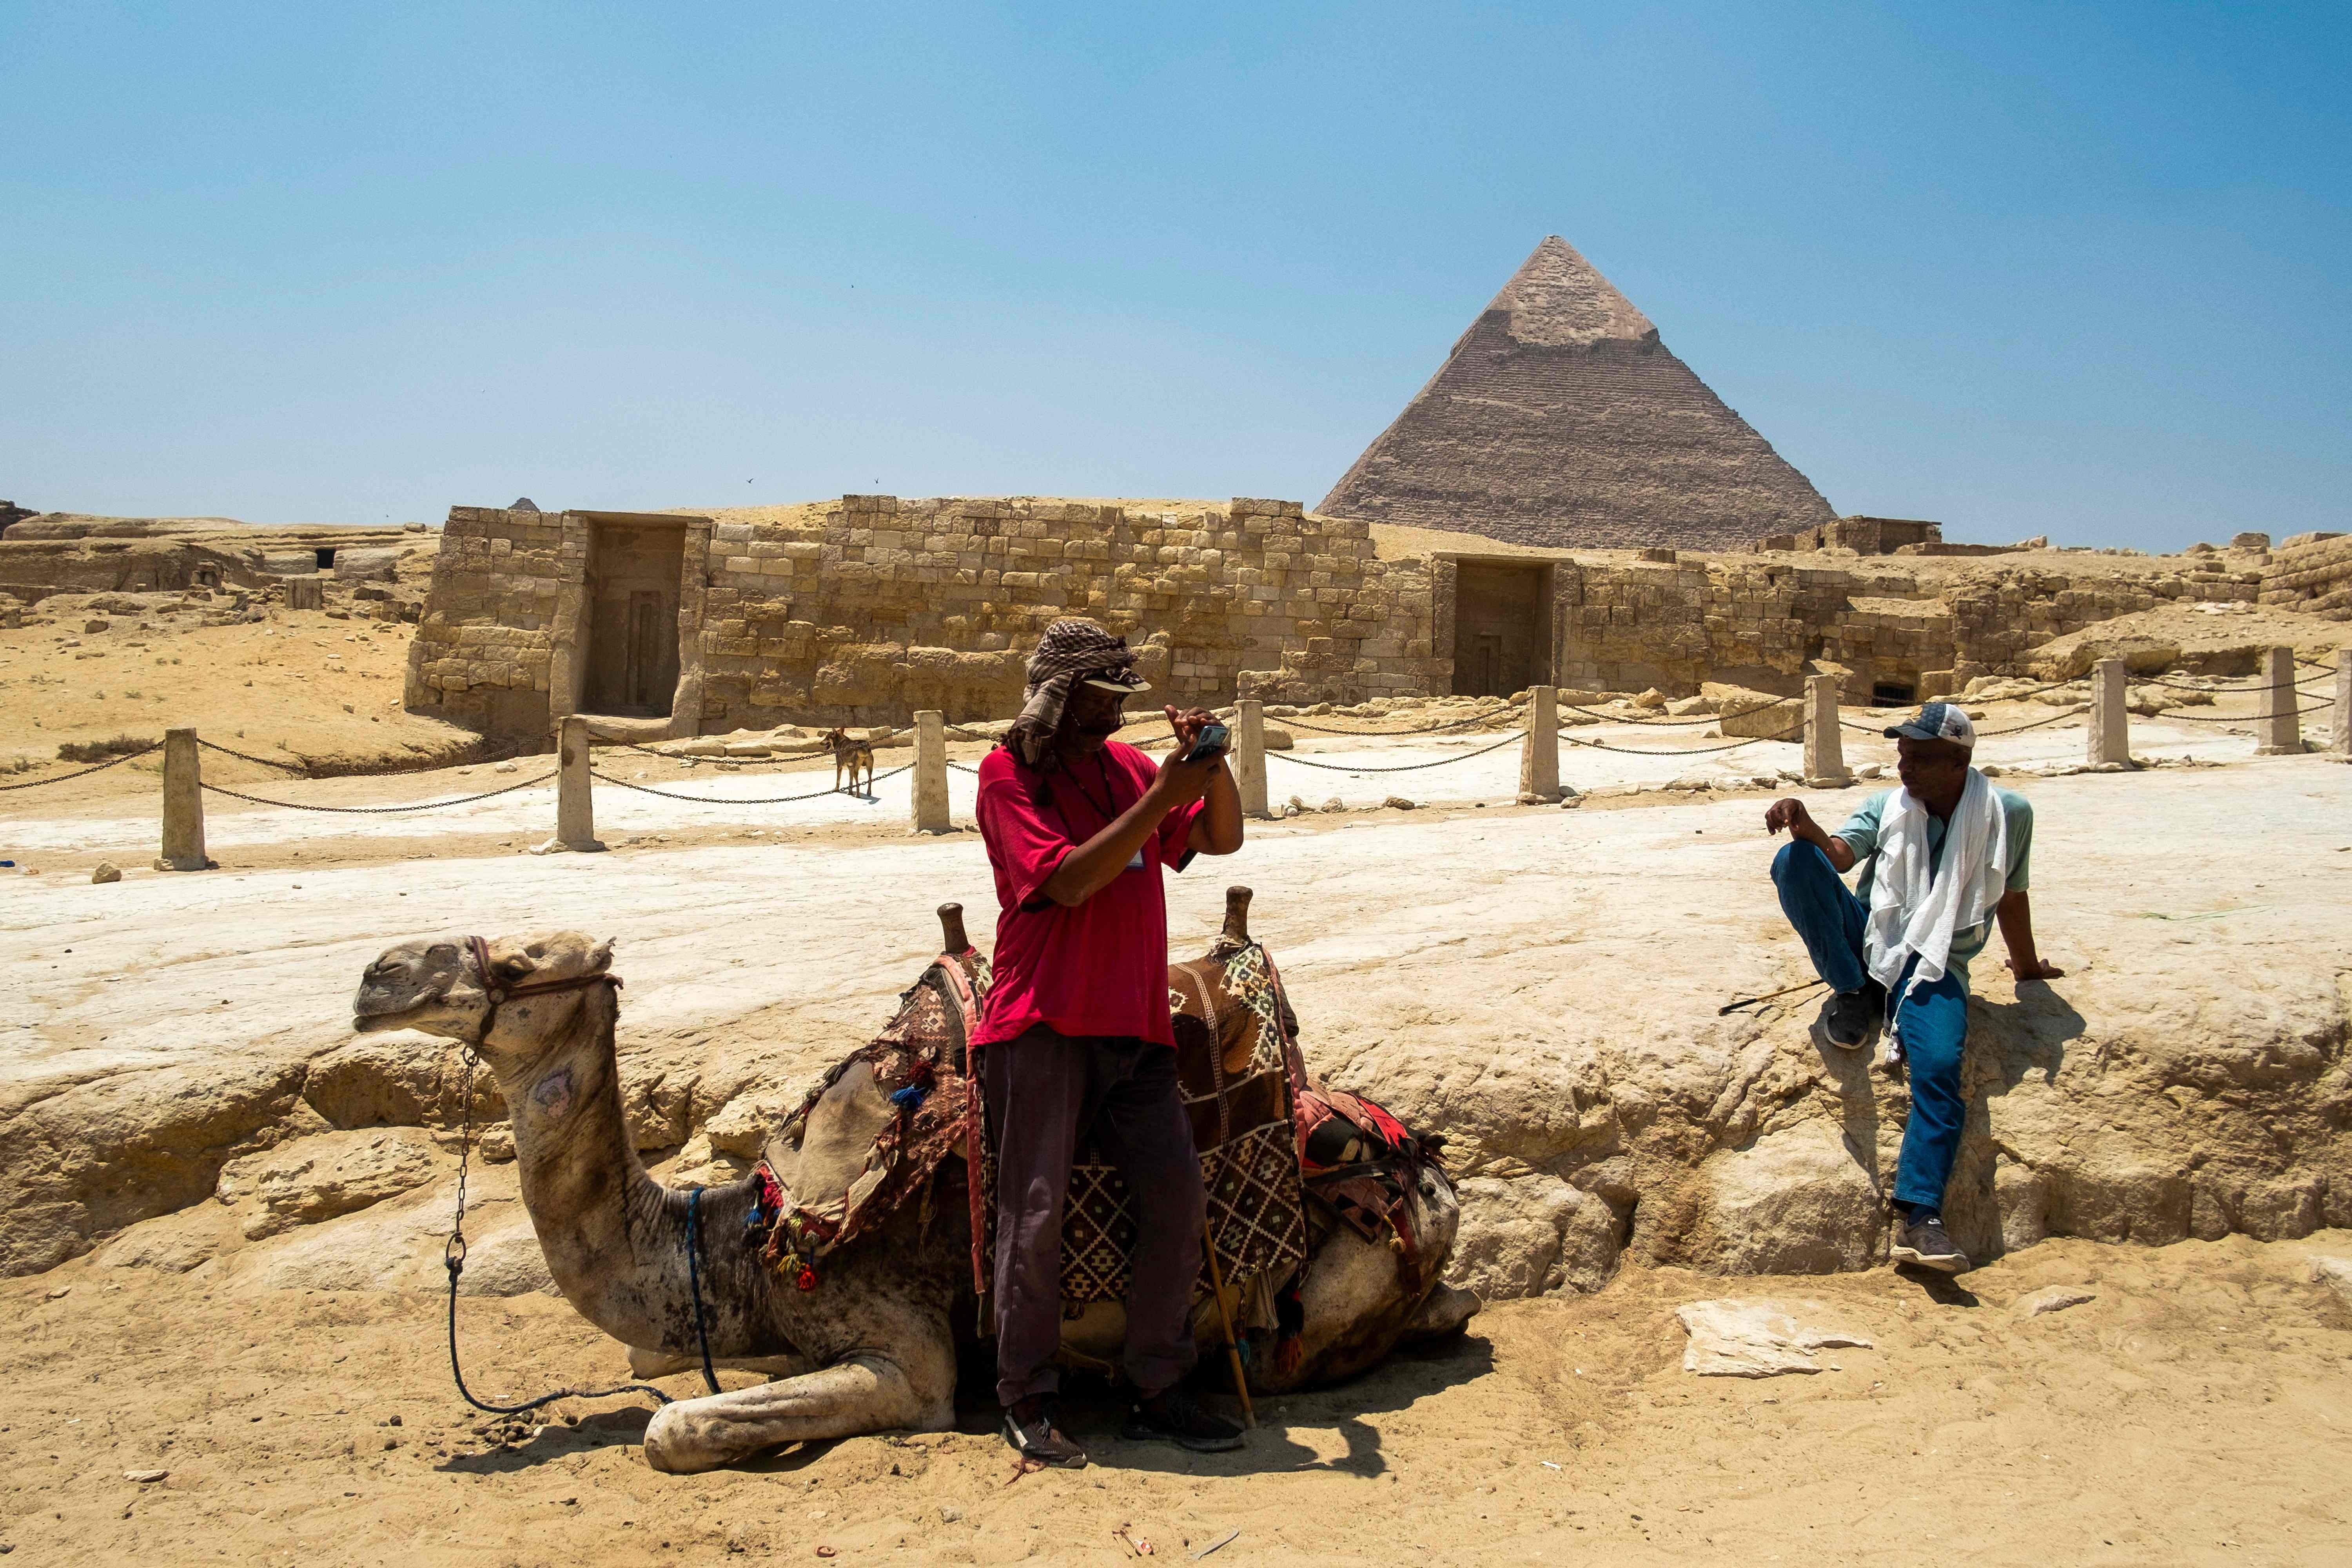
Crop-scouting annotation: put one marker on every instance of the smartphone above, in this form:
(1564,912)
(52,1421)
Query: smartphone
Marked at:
(1214,741)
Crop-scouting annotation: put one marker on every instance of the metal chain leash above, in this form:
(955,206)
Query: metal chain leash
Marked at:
(453,1257)
(85,772)
(375,810)
(749,800)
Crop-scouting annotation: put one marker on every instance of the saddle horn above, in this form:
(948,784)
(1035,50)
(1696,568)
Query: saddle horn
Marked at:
(1237,903)
(951,934)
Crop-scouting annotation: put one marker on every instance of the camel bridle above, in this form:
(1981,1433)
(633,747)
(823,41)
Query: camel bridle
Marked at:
(453,1253)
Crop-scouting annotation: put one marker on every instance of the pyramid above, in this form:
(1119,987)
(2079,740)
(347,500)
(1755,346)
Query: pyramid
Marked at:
(1559,419)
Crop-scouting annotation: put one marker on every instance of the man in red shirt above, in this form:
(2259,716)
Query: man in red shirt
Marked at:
(1077,1041)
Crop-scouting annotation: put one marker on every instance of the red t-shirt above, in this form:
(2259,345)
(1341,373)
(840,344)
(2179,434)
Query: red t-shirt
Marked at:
(1100,968)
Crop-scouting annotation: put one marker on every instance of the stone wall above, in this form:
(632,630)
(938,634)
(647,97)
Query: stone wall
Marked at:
(872,606)
(2315,578)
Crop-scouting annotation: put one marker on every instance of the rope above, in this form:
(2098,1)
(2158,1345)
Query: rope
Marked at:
(1694,752)
(1676,723)
(2054,719)
(377,810)
(85,772)
(694,1283)
(2288,685)
(726,800)
(2242,718)
(382,771)
(1475,719)
(1402,768)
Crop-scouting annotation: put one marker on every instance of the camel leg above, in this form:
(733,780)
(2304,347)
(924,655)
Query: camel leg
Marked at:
(864,1393)
(1444,1311)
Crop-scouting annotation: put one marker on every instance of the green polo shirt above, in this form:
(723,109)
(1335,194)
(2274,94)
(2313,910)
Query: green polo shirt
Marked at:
(1861,834)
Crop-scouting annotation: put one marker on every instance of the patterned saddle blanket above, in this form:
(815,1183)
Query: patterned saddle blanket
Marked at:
(1263,1131)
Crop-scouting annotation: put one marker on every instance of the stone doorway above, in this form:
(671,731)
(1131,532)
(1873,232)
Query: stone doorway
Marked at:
(634,578)
(1502,630)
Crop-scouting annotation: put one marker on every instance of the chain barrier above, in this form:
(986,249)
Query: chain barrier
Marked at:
(85,772)
(2289,685)
(1692,752)
(1403,768)
(1292,723)
(377,810)
(387,770)
(2244,718)
(751,800)
(1680,723)
(684,760)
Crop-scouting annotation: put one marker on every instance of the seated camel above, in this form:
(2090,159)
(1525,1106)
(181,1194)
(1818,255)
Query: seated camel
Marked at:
(864,1339)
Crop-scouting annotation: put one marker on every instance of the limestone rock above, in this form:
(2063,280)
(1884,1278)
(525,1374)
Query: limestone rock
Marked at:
(106,871)
(2336,1273)
(1756,1339)
(332,1174)
(2052,1298)
(1797,1202)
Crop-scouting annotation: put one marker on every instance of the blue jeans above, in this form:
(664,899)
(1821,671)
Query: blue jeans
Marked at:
(1932,1021)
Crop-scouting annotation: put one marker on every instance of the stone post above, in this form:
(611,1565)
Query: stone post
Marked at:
(575,803)
(1249,755)
(305,592)
(1539,757)
(184,805)
(2277,726)
(2110,719)
(2344,702)
(1825,747)
(930,792)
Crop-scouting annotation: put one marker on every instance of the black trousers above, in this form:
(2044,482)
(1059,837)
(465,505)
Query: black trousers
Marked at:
(1047,1093)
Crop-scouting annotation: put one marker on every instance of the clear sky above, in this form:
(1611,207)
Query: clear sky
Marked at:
(2076,270)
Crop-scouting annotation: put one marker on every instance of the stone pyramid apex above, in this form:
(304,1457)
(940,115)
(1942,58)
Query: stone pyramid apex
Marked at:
(1561,419)
(1559,299)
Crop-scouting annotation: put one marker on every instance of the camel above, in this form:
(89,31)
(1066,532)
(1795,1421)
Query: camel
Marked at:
(874,1347)
(850,757)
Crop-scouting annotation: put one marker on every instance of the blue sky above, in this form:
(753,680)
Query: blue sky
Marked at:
(2072,270)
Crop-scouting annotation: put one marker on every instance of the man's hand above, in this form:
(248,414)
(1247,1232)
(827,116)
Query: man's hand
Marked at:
(2036,969)
(1179,783)
(1789,812)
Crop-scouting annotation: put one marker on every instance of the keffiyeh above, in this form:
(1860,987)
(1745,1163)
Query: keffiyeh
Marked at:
(1070,651)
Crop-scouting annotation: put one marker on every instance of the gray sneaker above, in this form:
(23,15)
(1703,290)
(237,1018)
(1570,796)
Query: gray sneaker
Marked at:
(1853,1016)
(1922,1241)
(1029,1428)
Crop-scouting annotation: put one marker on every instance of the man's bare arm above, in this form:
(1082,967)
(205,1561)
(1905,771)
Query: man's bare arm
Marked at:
(2015,913)
(1791,813)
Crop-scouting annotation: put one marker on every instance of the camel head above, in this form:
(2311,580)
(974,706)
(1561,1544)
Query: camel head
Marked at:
(432,983)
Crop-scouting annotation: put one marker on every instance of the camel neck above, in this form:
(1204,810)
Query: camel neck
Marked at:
(596,1209)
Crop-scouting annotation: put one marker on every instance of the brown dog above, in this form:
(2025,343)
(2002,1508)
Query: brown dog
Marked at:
(848,757)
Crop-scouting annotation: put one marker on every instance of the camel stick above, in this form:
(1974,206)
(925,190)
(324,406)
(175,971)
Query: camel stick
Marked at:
(1751,1000)
(1237,903)
(1225,1318)
(951,932)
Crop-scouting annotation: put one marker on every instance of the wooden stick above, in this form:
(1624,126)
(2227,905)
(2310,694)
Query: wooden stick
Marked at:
(1225,1317)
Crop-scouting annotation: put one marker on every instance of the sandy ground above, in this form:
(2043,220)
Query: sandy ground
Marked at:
(2199,1410)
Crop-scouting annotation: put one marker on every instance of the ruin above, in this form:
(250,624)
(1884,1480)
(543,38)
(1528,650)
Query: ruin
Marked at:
(865,609)
(1561,419)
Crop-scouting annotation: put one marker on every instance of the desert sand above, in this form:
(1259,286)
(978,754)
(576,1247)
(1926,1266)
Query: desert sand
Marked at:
(2162,1131)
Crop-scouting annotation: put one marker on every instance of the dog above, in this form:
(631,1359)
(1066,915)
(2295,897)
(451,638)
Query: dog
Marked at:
(848,757)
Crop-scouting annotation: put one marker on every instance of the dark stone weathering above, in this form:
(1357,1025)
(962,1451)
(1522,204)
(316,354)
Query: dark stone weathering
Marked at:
(1559,419)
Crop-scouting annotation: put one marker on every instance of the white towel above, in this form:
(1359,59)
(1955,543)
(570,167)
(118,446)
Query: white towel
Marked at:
(1914,908)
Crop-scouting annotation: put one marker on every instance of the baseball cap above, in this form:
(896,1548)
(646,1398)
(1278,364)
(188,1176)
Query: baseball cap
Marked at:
(1935,721)
(1116,680)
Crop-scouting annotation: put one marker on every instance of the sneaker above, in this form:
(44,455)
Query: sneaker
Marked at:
(1029,1428)
(1855,1016)
(1922,1241)
(1173,1416)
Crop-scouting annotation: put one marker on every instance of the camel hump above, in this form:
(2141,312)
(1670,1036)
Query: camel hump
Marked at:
(951,933)
(1237,903)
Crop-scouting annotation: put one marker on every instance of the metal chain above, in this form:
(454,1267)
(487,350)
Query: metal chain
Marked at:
(2242,718)
(85,772)
(2288,685)
(377,810)
(1404,768)
(1679,723)
(728,800)
(453,1257)
(388,769)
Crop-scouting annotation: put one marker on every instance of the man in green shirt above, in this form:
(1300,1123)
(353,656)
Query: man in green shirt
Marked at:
(1897,950)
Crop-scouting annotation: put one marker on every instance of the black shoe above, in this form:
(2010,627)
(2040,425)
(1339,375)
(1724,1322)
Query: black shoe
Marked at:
(1922,1241)
(1173,1416)
(1029,1428)
(1853,1016)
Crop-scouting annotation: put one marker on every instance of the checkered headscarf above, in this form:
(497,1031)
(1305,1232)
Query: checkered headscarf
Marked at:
(1070,651)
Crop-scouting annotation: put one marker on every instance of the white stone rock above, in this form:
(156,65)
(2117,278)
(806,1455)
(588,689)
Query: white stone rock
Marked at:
(2052,1298)
(1756,1339)
(2336,1273)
